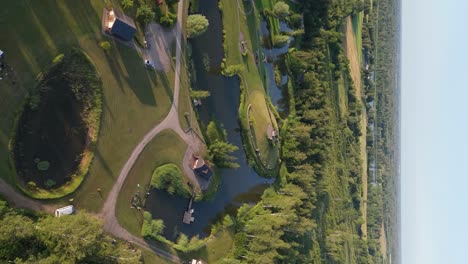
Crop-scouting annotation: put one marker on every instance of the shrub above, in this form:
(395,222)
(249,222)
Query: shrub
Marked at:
(43,165)
(168,177)
(151,228)
(281,9)
(196,25)
(295,21)
(32,185)
(232,70)
(168,20)
(105,45)
(127,4)
(58,58)
(280,41)
(145,13)
(50,183)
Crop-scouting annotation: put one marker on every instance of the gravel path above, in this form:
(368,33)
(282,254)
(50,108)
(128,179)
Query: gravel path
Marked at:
(171,121)
(19,200)
(159,52)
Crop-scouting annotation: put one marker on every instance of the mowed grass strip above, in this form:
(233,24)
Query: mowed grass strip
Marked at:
(134,98)
(254,90)
(354,53)
(166,147)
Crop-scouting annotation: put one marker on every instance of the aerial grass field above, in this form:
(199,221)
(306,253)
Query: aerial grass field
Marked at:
(134,98)
(167,147)
(242,13)
(354,53)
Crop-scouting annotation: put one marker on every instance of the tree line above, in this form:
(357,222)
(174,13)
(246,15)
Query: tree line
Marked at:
(312,214)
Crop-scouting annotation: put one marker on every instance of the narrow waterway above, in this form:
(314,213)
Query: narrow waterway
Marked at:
(238,186)
(272,57)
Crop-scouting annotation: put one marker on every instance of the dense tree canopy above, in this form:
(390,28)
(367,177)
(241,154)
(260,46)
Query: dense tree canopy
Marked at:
(196,25)
(168,177)
(69,239)
(145,13)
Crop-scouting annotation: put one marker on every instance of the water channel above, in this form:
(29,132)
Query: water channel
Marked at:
(272,56)
(238,186)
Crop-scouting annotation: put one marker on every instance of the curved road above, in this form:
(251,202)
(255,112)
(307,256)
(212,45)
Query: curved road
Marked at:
(171,121)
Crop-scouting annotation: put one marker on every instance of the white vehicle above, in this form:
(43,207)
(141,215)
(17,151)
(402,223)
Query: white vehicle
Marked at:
(1,54)
(149,64)
(67,210)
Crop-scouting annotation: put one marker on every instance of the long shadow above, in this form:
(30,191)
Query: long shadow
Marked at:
(98,157)
(115,68)
(137,79)
(165,82)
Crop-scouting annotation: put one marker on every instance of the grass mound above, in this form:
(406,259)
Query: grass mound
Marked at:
(58,127)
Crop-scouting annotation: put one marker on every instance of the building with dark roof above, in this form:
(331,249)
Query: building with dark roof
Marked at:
(120,25)
(200,168)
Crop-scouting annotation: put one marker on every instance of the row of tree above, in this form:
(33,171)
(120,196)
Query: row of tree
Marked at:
(29,238)
(313,214)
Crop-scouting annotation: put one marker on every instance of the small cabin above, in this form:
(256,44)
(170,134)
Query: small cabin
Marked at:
(201,168)
(67,210)
(120,25)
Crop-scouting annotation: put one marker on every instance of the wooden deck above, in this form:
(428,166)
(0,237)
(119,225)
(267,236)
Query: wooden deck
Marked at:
(188,219)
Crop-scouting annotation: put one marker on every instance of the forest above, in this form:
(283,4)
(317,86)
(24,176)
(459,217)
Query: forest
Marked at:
(312,214)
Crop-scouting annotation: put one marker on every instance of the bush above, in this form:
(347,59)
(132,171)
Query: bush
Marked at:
(151,228)
(168,20)
(196,25)
(145,13)
(43,165)
(127,4)
(58,58)
(281,9)
(105,45)
(168,177)
(280,41)
(32,185)
(50,183)
(232,70)
(295,21)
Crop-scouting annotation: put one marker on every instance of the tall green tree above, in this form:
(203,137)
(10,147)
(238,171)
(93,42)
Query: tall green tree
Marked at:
(196,25)
(145,13)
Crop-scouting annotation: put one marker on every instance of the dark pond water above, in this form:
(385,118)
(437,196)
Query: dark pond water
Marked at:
(238,186)
(272,58)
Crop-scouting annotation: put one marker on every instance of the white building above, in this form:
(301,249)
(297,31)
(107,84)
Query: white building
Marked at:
(67,210)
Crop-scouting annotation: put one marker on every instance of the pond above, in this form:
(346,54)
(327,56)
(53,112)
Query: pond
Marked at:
(238,186)
(272,59)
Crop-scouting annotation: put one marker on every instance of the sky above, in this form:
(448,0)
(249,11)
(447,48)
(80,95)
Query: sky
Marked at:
(434,168)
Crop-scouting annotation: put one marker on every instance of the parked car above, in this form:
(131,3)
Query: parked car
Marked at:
(149,64)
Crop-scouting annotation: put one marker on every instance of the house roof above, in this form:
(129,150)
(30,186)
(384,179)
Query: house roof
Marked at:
(204,171)
(123,26)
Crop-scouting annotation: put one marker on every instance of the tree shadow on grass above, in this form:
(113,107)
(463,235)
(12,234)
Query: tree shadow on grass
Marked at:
(136,74)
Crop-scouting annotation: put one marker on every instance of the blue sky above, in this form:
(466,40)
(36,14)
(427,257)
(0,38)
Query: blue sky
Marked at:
(434,172)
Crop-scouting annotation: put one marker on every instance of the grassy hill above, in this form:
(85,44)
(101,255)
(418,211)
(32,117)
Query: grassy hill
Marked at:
(134,99)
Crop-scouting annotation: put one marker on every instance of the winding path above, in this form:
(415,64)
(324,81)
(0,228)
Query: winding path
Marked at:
(107,213)
(171,121)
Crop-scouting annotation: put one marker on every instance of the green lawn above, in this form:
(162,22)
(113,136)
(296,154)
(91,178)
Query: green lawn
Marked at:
(252,77)
(217,247)
(134,99)
(167,147)
(150,257)
(357,28)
